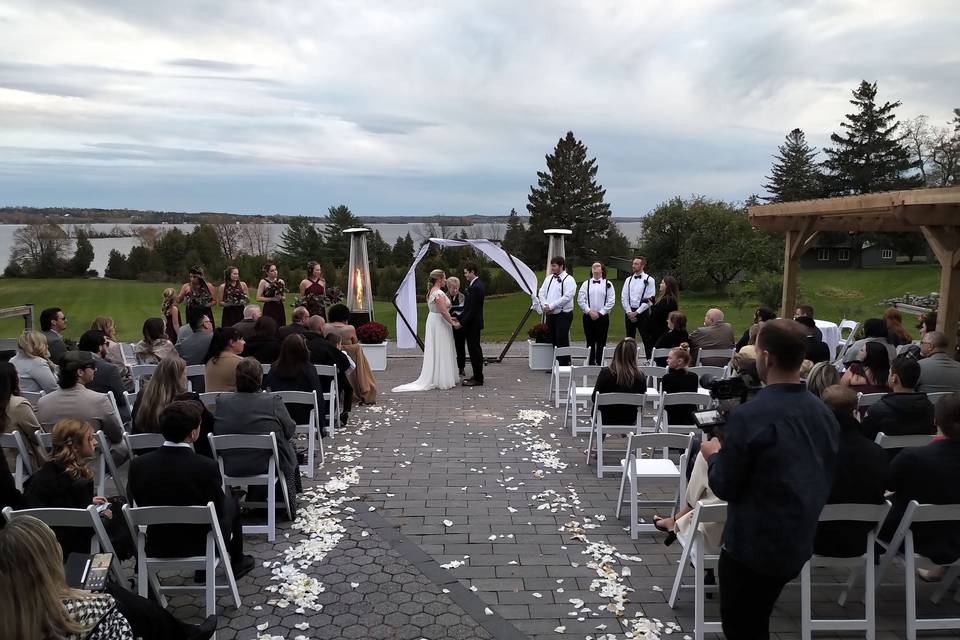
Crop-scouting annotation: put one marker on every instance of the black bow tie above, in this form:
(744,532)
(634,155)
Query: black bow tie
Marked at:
(637,277)
(557,278)
(596,282)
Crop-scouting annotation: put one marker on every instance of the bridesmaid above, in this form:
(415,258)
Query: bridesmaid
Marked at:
(271,292)
(198,293)
(314,286)
(171,314)
(234,296)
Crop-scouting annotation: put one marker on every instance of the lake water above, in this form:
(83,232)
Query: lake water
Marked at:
(390,233)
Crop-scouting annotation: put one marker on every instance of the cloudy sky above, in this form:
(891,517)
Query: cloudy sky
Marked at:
(437,107)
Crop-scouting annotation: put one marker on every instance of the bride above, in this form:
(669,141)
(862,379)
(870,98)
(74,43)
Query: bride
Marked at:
(439,370)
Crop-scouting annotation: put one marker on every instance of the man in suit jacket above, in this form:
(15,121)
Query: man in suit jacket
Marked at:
(324,351)
(938,371)
(297,325)
(251,313)
(107,378)
(174,475)
(53,323)
(714,334)
(74,400)
(903,412)
(471,319)
(193,346)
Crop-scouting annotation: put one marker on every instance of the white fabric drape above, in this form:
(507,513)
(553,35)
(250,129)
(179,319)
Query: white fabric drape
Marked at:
(406,296)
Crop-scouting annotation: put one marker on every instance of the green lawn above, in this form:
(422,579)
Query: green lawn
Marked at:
(834,294)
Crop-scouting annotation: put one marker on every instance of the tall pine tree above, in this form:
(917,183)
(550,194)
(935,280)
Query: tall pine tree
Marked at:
(869,154)
(335,241)
(567,196)
(300,242)
(513,238)
(794,175)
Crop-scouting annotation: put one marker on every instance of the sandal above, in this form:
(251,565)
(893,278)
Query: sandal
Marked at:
(656,523)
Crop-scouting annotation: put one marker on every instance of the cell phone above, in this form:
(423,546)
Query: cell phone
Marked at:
(94,576)
(103,507)
(707,419)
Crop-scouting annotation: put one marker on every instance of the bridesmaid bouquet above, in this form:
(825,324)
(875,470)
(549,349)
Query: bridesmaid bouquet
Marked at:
(275,289)
(235,298)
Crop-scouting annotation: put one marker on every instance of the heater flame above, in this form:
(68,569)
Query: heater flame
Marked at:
(358,282)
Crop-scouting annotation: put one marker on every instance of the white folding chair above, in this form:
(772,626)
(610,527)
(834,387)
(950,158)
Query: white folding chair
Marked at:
(902,442)
(139,518)
(209,399)
(607,354)
(140,443)
(598,429)
(311,427)
(268,442)
(195,371)
(654,375)
(106,467)
(579,392)
(635,467)
(727,354)
(701,401)
(920,513)
(131,399)
(694,555)
(87,518)
(845,340)
(331,398)
(580,354)
(662,352)
(266,368)
(44,439)
(872,513)
(126,350)
(717,373)
(865,400)
(33,397)
(935,396)
(22,468)
(140,371)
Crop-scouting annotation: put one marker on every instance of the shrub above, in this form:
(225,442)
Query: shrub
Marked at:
(372,333)
(770,290)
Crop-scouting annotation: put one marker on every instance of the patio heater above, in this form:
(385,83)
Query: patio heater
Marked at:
(555,244)
(359,294)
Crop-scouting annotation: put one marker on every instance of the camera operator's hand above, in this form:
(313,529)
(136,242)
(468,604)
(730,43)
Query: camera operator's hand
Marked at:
(709,447)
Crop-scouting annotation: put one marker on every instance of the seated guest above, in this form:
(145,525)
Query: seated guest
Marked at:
(253,412)
(293,371)
(749,350)
(681,522)
(37,372)
(621,376)
(821,376)
(938,371)
(264,345)
(338,321)
(193,346)
(53,323)
(66,480)
(806,311)
(174,475)
(903,412)
(874,330)
(817,349)
(168,384)
(324,351)
(106,325)
(714,334)
(298,324)
(761,315)
(154,347)
(868,374)
(678,379)
(897,335)
(222,359)
(18,417)
(251,313)
(860,478)
(108,377)
(74,400)
(360,374)
(675,336)
(928,474)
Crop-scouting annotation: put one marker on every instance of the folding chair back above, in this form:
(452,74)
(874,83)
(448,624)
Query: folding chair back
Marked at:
(579,392)
(717,373)
(126,350)
(331,398)
(865,400)
(44,439)
(726,354)
(245,442)
(598,429)
(209,399)
(694,554)
(845,339)
(932,397)
(195,372)
(902,442)
(662,352)
(654,374)
(577,355)
(139,518)
(607,354)
(701,401)
(106,466)
(655,468)
(33,397)
(572,352)
(141,443)
(266,368)
(22,469)
(311,428)
(140,374)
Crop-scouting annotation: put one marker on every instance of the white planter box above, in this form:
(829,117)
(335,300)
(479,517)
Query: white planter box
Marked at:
(540,356)
(376,355)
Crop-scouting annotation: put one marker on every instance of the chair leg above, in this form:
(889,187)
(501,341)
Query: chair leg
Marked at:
(681,569)
(806,620)
(700,597)
(593,429)
(623,482)
(910,579)
(566,411)
(945,584)
(272,504)
(870,593)
(634,506)
(851,583)
(210,588)
(599,454)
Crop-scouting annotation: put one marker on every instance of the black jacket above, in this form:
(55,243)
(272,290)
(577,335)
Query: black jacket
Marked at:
(266,349)
(617,414)
(290,329)
(658,317)
(305,380)
(51,486)
(669,340)
(175,476)
(928,475)
(677,381)
(107,379)
(817,350)
(471,318)
(899,414)
(860,478)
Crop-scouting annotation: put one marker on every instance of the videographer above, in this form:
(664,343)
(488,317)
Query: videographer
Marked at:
(775,471)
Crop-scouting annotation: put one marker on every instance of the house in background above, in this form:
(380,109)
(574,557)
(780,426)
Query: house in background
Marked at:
(842,252)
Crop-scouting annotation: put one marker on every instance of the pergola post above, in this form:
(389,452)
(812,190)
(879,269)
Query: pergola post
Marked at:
(945,242)
(796,244)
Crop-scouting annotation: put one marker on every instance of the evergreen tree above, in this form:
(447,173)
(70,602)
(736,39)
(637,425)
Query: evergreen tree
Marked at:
(402,252)
(82,256)
(515,236)
(567,196)
(336,242)
(794,175)
(378,250)
(300,242)
(117,266)
(869,154)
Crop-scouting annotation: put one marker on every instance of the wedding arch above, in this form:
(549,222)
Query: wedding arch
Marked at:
(405,299)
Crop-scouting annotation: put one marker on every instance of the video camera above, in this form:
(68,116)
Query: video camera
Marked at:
(726,393)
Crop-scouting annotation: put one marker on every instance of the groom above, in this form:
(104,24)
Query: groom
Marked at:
(471,319)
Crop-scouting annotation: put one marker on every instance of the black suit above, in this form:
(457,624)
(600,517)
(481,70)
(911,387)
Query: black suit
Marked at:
(176,476)
(471,319)
(290,329)
(322,351)
(107,379)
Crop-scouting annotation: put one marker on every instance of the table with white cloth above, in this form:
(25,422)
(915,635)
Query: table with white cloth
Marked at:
(831,335)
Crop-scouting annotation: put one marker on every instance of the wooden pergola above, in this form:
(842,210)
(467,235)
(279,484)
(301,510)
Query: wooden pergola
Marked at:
(933,212)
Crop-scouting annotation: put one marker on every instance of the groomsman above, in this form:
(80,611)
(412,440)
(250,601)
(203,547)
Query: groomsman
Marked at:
(596,300)
(638,294)
(556,300)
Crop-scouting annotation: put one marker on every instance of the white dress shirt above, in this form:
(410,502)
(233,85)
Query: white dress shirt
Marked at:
(636,290)
(557,291)
(596,295)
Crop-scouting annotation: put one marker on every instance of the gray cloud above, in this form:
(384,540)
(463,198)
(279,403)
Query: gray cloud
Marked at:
(210,65)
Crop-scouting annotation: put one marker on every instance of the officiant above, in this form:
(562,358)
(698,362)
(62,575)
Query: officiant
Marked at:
(457,300)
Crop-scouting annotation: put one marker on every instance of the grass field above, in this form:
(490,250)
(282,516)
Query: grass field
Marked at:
(834,293)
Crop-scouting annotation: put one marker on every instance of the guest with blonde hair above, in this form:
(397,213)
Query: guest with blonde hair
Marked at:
(37,372)
(171,314)
(106,325)
(821,376)
(18,417)
(678,379)
(167,385)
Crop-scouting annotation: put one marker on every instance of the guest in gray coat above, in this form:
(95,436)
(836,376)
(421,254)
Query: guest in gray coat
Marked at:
(938,371)
(250,411)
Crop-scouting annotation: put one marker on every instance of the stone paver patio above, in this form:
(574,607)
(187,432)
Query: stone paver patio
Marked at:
(446,516)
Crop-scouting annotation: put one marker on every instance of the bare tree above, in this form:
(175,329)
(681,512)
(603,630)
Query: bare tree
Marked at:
(256,238)
(917,137)
(935,150)
(492,231)
(40,247)
(148,236)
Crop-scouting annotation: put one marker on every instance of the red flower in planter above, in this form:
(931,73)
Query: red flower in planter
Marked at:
(539,332)
(372,333)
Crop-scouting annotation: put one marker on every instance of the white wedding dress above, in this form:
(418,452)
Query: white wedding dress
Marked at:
(439,370)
